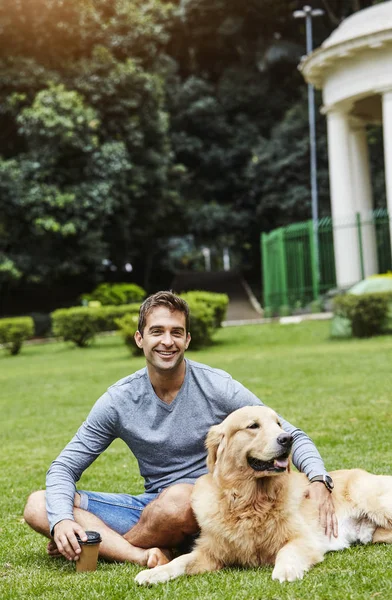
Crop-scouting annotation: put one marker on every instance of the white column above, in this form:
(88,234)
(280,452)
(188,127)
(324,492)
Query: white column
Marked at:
(347,261)
(387,131)
(363,197)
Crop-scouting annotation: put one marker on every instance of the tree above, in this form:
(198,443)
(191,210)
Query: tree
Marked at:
(278,173)
(129,124)
(86,159)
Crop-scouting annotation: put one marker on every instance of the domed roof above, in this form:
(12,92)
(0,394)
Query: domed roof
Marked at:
(365,22)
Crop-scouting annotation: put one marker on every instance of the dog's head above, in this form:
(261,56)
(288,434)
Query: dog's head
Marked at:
(249,442)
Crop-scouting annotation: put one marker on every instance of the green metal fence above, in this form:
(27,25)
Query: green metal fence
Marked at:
(290,264)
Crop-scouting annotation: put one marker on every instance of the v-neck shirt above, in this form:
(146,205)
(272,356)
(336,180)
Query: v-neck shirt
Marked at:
(167,439)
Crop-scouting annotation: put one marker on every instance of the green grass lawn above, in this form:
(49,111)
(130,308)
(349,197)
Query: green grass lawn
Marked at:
(339,392)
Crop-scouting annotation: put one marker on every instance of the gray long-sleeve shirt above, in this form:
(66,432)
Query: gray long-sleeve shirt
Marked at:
(166,439)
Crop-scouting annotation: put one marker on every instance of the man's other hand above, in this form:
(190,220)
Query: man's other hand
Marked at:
(323,498)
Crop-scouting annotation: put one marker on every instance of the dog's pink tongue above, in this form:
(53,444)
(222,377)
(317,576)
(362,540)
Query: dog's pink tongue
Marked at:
(282,463)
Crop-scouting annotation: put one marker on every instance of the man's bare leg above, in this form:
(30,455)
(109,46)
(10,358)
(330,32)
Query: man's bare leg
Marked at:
(113,547)
(167,521)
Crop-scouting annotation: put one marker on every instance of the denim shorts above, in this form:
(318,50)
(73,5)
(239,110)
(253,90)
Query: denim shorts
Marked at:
(119,511)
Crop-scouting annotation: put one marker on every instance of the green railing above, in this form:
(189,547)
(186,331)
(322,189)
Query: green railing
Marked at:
(289,259)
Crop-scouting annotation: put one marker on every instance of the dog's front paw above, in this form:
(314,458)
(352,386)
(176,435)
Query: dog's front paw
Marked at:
(290,571)
(152,576)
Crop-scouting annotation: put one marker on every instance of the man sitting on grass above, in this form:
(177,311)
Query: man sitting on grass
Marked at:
(163,413)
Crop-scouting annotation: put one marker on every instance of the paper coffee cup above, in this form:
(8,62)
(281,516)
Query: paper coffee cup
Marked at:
(89,555)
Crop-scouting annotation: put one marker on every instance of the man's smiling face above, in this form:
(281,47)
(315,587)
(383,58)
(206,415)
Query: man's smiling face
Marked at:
(164,338)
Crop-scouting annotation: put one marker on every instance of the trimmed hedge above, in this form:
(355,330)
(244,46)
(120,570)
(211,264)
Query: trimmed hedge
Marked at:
(203,323)
(107,316)
(80,324)
(218,303)
(77,325)
(115,294)
(127,326)
(369,314)
(202,326)
(14,331)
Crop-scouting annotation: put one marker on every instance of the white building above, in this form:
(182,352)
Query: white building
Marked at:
(353,67)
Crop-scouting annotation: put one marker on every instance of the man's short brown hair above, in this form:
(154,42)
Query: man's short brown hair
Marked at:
(166,299)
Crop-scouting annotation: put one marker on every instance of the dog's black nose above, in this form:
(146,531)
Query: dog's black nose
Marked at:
(285,440)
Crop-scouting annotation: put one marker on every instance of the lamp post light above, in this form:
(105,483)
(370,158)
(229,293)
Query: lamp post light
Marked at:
(308,13)
(207,258)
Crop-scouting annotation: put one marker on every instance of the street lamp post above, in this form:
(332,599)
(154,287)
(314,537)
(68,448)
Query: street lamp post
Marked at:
(308,13)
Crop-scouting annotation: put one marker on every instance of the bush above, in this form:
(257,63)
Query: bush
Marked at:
(80,324)
(107,316)
(115,294)
(14,331)
(368,313)
(217,302)
(128,327)
(203,325)
(203,321)
(77,325)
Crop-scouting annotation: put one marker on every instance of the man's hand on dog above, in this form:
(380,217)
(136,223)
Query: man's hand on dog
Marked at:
(319,494)
(65,538)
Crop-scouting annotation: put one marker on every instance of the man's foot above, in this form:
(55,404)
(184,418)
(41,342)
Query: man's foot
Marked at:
(156,557)
(53,551)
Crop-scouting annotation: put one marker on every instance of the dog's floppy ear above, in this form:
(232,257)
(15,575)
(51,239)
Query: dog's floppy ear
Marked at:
(214,445)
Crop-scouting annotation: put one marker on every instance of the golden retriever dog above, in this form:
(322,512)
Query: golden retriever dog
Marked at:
(253,511)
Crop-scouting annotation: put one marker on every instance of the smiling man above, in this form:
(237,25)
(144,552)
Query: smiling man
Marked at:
(163,413)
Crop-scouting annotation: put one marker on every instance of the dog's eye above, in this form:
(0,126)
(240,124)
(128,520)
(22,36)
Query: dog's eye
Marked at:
(253,426)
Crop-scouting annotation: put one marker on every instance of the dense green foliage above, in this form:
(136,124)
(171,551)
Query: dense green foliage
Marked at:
(86,144)
(115,294)
(341,398)
(207,311)
(127,327)
(80,324)
(106,316)
(14,331)
(77,325)
(218,303)
(203,325)
(367,313)
(137,132)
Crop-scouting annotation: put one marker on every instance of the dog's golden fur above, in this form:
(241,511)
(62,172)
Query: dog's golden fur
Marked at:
(253,511)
